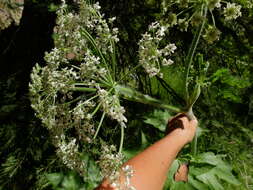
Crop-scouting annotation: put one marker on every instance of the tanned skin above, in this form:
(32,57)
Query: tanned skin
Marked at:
(152,165)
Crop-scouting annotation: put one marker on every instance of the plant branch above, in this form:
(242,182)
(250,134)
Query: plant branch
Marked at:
(192,50)
(133,95)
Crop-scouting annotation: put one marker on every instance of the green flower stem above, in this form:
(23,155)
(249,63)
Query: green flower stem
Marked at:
(213,19)
(92,41)
(114,62)
(121,139)
(133,95)
(185,10)
(191,100)
(96,109)
(99,125)
(72,101)
(84,89)
(130,71)
(192,50)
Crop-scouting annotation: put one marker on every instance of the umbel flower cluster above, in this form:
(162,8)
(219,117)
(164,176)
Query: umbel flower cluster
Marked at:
(10,11)
(152,57)
(74,92)
(194,15)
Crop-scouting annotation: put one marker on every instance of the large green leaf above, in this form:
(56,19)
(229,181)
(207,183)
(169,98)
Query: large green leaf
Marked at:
(197,184)
(210,158)
(210,170)
(210,179)
(158,119)
(226,175)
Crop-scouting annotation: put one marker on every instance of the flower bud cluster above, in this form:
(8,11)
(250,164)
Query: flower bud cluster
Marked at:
(191,12)
(10,11)
(91,68)
(151,55)
(212,4)
(232,11)
(128,172)
(68,152)
(110,162)
(71,28)
(111,106)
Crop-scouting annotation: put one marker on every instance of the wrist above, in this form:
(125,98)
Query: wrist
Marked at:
(179,137)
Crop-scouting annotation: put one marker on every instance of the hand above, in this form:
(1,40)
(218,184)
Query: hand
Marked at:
(182,127)
(182,173)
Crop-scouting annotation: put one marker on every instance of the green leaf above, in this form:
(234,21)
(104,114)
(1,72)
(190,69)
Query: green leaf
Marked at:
(69,183)
(130,153)
(158,119)
(173,169)
(144,141)
(226,175)
(198,171)
(229,94)
(181,186)
(197,184)
(209,158)
(210,179)
(219,73)
(54,178)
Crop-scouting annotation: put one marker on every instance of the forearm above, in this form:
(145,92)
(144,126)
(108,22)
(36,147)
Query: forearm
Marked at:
(151,165)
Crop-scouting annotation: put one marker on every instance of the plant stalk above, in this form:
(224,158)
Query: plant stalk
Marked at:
(99,125)
(133,95)
(192,51)
(121,139)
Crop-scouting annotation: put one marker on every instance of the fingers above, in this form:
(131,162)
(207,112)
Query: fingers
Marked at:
(182,173)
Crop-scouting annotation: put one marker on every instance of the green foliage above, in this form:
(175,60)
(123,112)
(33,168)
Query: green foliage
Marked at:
(231,86)
(158,119)
(207,171)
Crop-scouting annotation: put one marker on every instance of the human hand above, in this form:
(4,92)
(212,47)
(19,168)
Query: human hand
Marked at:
(182,127)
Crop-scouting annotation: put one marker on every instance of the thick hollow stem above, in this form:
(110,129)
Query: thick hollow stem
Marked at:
(133,95)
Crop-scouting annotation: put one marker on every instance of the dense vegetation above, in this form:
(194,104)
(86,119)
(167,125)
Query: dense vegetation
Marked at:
(29,155)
